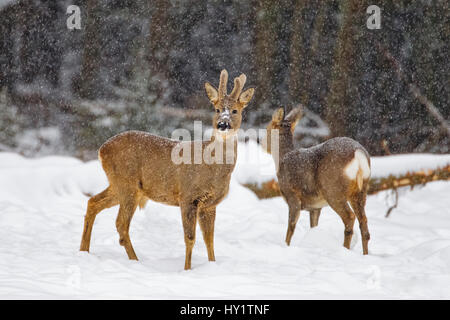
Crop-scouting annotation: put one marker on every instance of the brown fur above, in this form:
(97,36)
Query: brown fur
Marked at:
(312,178)
(139,167)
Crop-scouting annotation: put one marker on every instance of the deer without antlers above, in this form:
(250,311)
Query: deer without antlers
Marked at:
(333,173)
(139,167)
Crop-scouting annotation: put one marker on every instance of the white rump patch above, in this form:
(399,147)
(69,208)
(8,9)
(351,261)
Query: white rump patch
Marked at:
(363,163)
(358,162)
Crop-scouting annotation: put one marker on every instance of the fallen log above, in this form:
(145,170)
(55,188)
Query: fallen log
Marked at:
(271,189)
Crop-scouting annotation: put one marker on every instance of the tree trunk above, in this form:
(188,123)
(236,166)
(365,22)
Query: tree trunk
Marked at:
(297,53)
(160,38)
(339,99)
(7,17)
(267,14)
(91,56)
(313,52)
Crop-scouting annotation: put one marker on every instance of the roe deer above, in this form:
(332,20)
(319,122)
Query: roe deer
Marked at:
(332,173)
(139,167)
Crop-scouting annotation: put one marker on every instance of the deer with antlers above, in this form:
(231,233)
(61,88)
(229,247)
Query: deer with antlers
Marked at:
(139,166)
(334,173)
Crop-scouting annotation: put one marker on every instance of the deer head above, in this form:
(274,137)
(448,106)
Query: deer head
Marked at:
(228,107)
(284,124)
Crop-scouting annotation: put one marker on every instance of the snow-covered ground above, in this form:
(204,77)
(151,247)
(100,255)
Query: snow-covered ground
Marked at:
(42,207)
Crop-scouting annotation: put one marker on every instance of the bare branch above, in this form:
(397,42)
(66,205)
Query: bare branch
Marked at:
(415,91)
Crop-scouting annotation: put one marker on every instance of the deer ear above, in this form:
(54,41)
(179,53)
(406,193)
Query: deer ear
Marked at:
(246,96)
(212,93)
(294,116)
(278,115)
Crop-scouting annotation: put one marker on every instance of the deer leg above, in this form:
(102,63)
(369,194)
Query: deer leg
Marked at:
(314,217)
(348,218)
(206,221)
(358,203)
(348,232)
(189,217)
(294,214)
(126,211)
(97,203)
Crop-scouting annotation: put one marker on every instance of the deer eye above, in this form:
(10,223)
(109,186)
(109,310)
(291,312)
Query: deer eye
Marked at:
(217,110)
(234,111)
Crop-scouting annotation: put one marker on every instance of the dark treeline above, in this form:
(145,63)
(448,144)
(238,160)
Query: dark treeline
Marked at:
(138,64)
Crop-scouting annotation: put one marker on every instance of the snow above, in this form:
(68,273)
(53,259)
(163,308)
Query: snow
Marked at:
(404,163)
(42,140)
(4,3)
(42,207)
(253,165)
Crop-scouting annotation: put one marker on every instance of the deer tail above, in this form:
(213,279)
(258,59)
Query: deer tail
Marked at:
(142,202)
(358,169)
(359,179)
(363,168)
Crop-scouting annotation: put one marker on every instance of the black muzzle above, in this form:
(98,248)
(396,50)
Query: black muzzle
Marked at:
(223,125)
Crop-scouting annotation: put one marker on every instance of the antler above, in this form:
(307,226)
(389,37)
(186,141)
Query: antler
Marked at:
(238,86)
(223,84)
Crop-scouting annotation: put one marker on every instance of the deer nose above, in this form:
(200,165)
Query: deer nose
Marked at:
(223,125)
